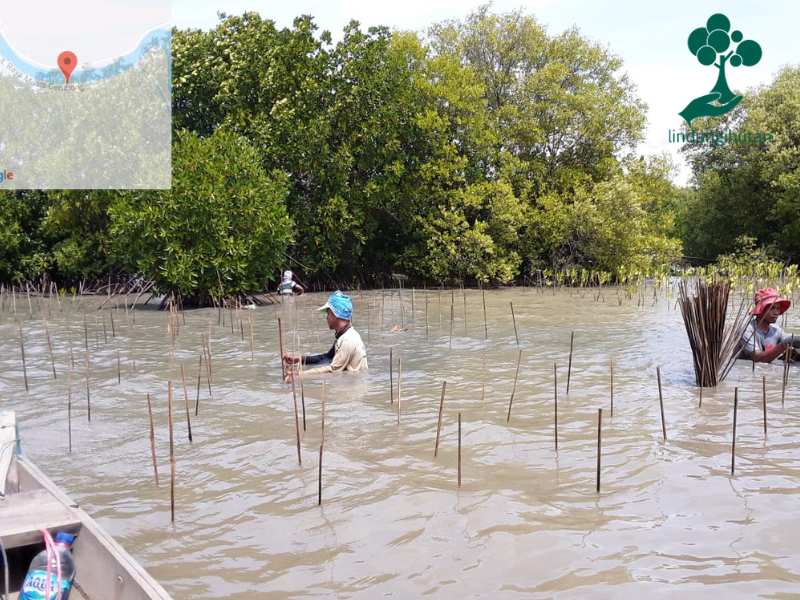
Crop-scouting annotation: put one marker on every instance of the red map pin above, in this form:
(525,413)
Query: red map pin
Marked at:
(67,61)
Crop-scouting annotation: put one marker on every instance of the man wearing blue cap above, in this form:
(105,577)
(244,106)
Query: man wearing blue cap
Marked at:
(347,353)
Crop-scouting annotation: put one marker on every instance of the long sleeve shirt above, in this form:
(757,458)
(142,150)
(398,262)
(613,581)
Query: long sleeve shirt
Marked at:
(347,354)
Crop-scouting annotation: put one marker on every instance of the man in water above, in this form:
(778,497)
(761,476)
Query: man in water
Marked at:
(288,286)
(347,353)
(763,341)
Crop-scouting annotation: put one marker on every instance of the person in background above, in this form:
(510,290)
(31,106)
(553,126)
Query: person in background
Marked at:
(288,286)
(347,353)
(763,341)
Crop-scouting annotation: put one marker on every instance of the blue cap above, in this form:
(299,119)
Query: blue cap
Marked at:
(340,304)
(62,537)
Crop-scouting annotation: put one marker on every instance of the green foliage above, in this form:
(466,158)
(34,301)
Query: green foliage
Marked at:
(484,151)
(221,229)
(753,189)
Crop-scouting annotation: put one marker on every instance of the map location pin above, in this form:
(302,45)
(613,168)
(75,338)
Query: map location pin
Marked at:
(67,61)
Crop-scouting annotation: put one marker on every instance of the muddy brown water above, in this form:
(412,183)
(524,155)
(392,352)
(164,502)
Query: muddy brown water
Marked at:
(526,522)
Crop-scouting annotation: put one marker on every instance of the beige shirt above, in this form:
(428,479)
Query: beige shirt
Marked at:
(349,355)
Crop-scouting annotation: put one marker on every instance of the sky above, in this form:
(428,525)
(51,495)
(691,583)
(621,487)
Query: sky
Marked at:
(650,38)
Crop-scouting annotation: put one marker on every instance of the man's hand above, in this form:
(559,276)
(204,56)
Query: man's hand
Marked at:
(289,376)
(290,359)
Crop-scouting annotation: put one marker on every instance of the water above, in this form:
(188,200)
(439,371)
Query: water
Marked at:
(526,522)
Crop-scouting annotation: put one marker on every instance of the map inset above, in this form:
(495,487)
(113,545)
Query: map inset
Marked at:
(85,99)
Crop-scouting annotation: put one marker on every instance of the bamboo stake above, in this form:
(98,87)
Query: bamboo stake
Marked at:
(451,325)
(296,422)
(459,449)
(599,437)
(764,402)
(555,405)
(661,403)
(105,333)
(69,412)
(22,350)
(485,326)
(569,367)
(514,389)
(399,392)
(152,438)
(391,378)
(119,369)
(280,343)
(464,293)
(199,372)
(113,329)
(322,433)
(514,319)
(319,500)
(171,455)
(700,405)
(439,421)
(50,349)
(733,441)
(88,393)
(186,402)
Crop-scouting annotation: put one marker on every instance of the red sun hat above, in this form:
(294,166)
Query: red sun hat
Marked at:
(765,298)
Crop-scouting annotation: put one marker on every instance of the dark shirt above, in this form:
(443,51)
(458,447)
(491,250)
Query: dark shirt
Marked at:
(316,359)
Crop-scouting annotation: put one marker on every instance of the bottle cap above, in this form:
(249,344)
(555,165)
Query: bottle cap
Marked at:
(62,537)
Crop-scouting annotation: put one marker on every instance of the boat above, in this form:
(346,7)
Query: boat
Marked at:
(30,502)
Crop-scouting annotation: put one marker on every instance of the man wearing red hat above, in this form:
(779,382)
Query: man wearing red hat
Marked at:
(764,341)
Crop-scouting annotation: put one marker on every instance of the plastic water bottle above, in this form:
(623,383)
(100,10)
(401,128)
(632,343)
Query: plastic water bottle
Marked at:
(35,585)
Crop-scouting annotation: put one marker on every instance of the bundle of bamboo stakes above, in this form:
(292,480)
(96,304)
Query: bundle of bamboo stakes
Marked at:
(714,346)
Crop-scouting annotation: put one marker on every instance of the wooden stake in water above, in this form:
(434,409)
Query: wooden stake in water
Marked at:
(733,440)
(459,449)
(786,358)
(152,438)
(700,404)
(171,455)
(296,423)
(514,389)
(439,421)
(555,405)
(764,402)
(569,366)
(399,389)
(661,403)
(69,412)
(319,500)
(451,325)
(50,349)
(252,338)
(88,393)
(113,329)
(599,437)
(514,319)
(22,351)
(186,402)
(199,373)
(280,347)
(426,315)
(119,369)
(485,326)
(464,293)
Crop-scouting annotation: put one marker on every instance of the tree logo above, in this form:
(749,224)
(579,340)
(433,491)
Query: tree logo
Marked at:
(716,45)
